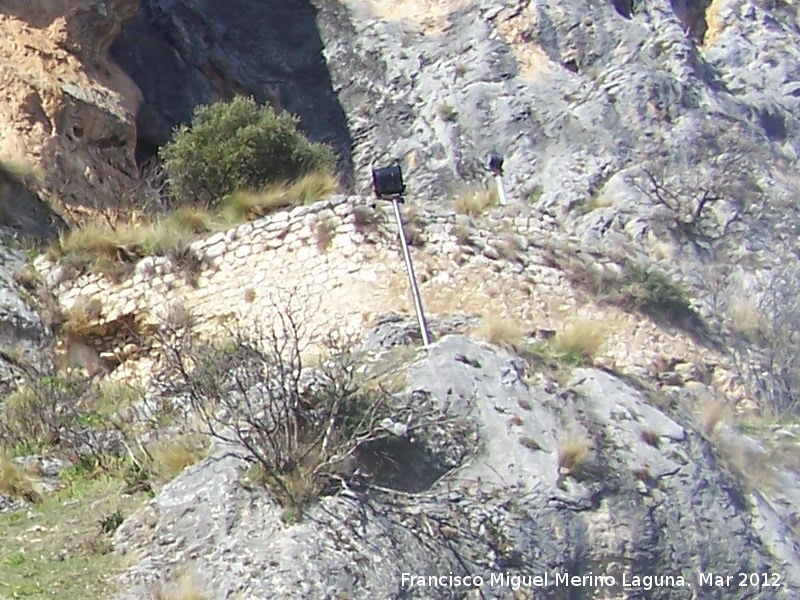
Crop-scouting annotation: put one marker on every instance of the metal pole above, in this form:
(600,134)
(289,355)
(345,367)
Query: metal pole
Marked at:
(501,192)
(423,326)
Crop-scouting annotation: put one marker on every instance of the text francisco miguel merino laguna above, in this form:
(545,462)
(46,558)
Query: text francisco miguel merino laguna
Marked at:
(515,582)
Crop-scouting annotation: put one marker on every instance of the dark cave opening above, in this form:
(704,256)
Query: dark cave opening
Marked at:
(692,15)
(623,7)
(146,152)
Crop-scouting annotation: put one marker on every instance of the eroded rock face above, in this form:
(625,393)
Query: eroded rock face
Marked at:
(67,115)
(651,499)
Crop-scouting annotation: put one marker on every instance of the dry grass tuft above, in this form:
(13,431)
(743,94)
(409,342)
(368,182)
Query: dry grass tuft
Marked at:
(324,233)
(15,483)
(501,332)
(583,339)
(170,457)
(77,321)
(650,437)
(574,453)
(463,235)
(413,226)
(193,220)
(474,201)
(746,320)
(244,205)
(754,468)
(709,415)
(187,588)
(368,219)
(99,247)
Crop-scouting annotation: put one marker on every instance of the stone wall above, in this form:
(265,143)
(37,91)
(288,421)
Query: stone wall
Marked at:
(339,261)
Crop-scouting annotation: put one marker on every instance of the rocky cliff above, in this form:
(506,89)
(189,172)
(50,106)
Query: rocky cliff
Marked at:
(68,111)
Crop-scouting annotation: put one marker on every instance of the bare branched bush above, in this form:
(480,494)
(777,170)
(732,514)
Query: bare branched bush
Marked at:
(66,415)
(307,432)
(704,189)
(767,353)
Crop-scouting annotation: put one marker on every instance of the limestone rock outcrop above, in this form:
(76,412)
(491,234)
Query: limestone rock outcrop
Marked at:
(652,501)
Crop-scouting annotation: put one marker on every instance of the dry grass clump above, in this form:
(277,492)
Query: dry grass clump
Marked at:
(709,415)
(170,457)
(574,453)
(413,226)
(187,588)
(77,321)
(474,201)
(368,219)
(755,468)
(582,339)
(193,220)
(15,483)
(245,205)
(324,233)
(746,320)
(98,246)
(501,332)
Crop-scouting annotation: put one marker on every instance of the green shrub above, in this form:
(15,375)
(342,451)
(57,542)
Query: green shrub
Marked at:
(238,145)
(654,292)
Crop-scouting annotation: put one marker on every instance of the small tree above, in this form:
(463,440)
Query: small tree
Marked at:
(238,145)
(703,189)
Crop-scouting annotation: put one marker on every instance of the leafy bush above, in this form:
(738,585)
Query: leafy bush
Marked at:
(238,145)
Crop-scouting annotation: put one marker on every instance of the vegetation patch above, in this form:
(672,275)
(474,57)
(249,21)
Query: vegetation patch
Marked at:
(574,455)
(246,205)
(306,436)
(15,483)
(58,548)
(581,341)
(238,145)
(502,332)
(475,201)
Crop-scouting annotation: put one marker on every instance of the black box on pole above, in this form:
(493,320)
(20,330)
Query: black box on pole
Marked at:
(388,181)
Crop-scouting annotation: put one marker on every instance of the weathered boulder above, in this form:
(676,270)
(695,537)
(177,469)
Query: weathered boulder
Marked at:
(647,498)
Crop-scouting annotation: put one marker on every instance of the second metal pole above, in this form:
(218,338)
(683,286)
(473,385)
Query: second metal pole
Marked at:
(423,326)
(501,191)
